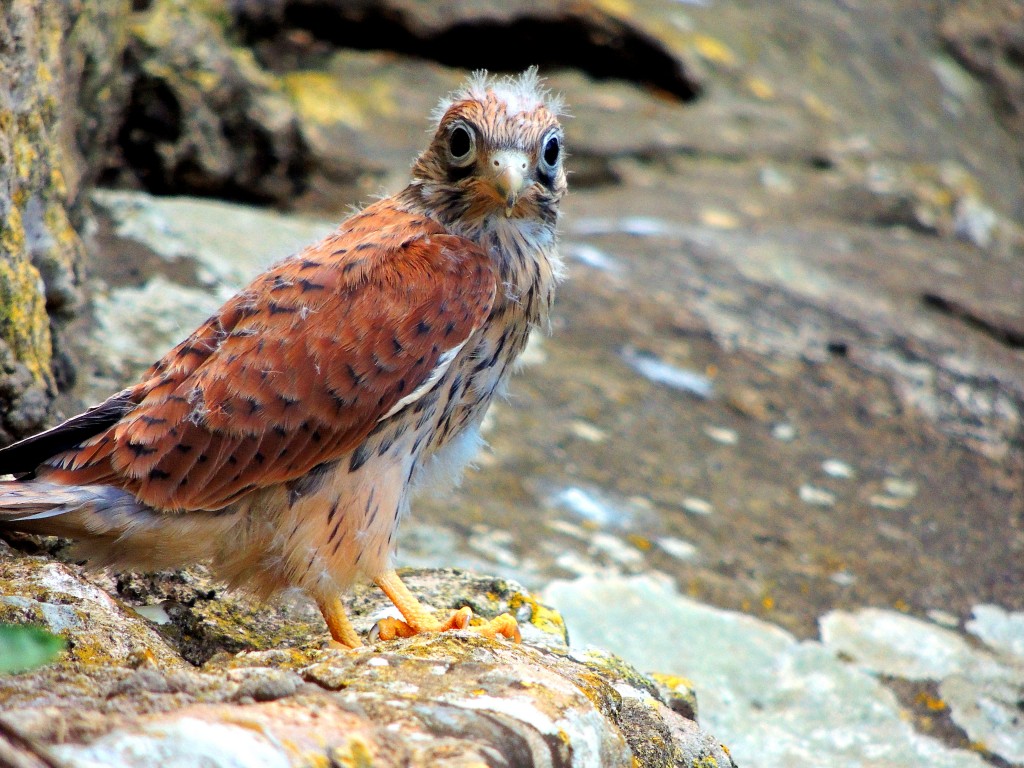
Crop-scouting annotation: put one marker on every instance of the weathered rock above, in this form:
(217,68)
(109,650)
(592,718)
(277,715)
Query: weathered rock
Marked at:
(451,698)
(583,35)
(122,696)
(99,631)
(981,684)
(47,148)
(780,699)
(987,37)
(203,116)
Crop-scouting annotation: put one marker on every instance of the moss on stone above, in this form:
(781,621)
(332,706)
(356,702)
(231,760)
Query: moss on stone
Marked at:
(542,617)
(40,168)
(678,692)
(226,115)
(320,99)
(24,324)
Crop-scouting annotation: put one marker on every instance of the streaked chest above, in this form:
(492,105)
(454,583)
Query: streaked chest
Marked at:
(430,427)
(530,270)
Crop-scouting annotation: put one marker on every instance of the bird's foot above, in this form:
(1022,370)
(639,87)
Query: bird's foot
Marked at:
(343,634)
(390,628)
(504,625)
(337,645)
(418,619)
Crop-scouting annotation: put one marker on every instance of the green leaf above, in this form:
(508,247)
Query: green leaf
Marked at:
(23,647)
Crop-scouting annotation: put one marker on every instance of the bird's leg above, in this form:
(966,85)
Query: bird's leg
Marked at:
(342,633)
(418,619)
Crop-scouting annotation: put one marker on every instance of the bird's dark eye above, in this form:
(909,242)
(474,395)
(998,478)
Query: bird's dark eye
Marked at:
(552,149)
(460,143)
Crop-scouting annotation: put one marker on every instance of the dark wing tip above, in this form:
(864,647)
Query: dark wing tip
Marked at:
(25,456)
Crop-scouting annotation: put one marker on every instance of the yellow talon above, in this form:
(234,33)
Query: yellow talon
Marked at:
(418,619)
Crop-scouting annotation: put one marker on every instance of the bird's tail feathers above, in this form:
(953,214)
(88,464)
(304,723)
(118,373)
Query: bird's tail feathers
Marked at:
(111,527)
(26,505)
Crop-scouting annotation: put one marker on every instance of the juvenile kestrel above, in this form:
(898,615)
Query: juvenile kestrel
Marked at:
(281,441)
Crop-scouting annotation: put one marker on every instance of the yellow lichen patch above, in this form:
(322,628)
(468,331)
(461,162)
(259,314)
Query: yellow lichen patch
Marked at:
(12,234)
(621,8)
(680,691)
(760,88)
(242,719)
(56,220)
(156,27)
(707,761)
(82,650)
(205,80)
(31,614)
(142,657)
(24,324)
(52,48)
(252,72)
(640,542)
(319,98)
(237,620)
(603,668)
(595,688)
(355,754)
(933,703)
(713,50)
(716,218)
(818,108)
(673,682)
(930,190)
(25,156)
(57,182)
(542,617)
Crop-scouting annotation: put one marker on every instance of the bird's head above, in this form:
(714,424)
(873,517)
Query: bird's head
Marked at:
(497,153)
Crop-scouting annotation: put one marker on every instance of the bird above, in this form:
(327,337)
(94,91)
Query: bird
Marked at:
(281,442)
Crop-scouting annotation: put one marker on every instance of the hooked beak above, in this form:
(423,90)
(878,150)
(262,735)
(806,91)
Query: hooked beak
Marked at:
(508,171)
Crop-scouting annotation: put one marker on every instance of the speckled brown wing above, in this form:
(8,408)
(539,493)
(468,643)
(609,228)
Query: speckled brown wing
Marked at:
(295,370)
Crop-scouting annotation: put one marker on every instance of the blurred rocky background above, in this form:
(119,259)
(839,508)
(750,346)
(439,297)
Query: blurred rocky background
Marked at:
(775,442)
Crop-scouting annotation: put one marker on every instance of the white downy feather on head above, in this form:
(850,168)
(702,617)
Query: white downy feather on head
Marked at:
(521,93)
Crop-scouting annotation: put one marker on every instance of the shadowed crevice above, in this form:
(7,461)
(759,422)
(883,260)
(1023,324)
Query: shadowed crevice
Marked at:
(1004,329)
(559,36)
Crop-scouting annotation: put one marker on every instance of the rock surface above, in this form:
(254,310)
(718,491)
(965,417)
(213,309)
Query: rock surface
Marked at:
(985,36)
(203,116)
(780,701)
(265,693)
(48,146)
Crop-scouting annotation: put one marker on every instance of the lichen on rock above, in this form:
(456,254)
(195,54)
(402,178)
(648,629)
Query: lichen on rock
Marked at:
(41,167)
(204,117)
(122,695)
